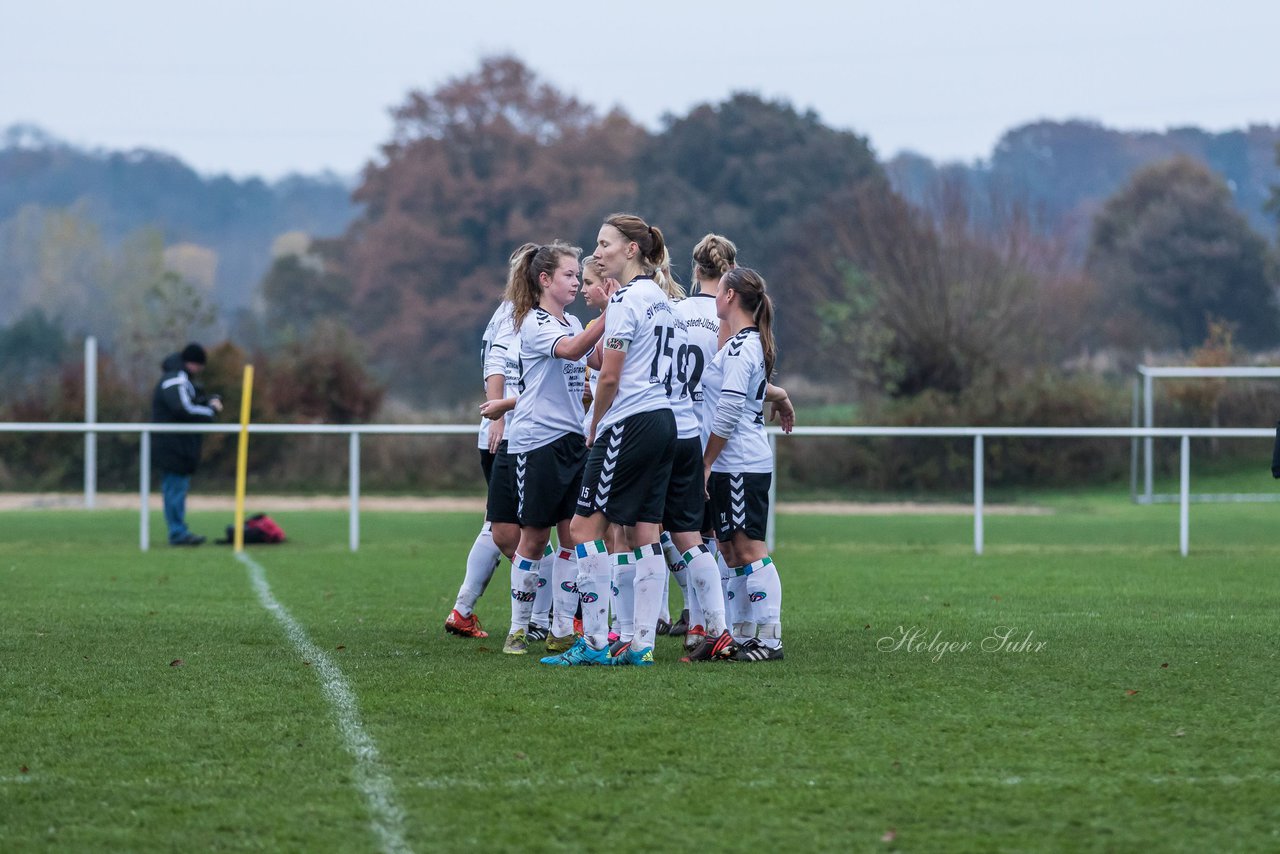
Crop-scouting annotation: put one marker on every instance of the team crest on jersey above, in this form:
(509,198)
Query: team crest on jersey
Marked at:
(615,343)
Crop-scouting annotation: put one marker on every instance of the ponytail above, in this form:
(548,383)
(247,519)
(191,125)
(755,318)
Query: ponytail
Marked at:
(750,287)
(527,264)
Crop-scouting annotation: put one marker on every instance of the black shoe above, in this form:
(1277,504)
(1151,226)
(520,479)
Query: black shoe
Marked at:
(680,626)
(618,647)
(536,633)
(663,627)
(713,649)
(753,650)
(187,539)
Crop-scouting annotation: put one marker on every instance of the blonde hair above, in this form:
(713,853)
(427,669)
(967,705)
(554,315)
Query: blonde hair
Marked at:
(527,264)
(714,256)
(750,287)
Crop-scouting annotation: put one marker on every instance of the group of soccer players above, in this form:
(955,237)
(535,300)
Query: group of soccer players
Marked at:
(666,468)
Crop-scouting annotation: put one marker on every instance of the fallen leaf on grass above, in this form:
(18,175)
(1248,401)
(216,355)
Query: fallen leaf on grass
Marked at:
(1165,665)
(24,769)
(889,835)
(177,662)
(341,646)
(306,663)
(997,598)
(1131,692)
(867,626)
(520,755)
(1179,732)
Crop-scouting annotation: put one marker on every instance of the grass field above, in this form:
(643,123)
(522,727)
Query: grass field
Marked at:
(151,701)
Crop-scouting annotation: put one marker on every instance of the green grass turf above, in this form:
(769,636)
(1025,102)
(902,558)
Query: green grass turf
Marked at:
(1146,721)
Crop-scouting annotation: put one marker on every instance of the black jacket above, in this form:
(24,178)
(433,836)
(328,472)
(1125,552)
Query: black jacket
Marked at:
(178,399)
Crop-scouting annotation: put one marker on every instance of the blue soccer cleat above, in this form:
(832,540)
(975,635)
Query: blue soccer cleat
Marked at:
(634,657)
(580,654)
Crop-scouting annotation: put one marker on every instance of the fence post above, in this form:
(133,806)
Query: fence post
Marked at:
(144,489)
(354,478)
(1184,497)
(90,417)
(1133,444)
(1148,421)
(978,497)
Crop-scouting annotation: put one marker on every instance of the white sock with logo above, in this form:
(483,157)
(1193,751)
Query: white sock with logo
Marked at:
(524,589)
(564,593)
(593,592)
(542,601)
(764,589)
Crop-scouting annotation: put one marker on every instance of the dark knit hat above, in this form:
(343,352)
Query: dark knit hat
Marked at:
(193,353)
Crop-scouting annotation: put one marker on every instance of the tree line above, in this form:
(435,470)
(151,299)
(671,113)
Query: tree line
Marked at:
(907,293)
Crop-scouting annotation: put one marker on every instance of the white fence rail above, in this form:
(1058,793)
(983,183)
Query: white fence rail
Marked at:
(355,431)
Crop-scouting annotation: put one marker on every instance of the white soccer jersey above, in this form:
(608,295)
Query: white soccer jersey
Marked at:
(737,379)
(550,388)
(640,321)
(677,385)
(703,330)
(498,355)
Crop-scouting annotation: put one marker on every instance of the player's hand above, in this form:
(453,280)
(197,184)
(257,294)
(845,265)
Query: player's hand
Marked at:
(492,409)
(706,476)
(496,430)
(215,403)
(784,412)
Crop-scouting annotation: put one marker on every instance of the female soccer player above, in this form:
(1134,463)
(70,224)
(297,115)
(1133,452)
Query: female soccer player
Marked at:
(737,462)
(708,636)
(632,437)
(501,372)
(545,445)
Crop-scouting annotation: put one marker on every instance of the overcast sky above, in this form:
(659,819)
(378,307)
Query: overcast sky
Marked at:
(262,87)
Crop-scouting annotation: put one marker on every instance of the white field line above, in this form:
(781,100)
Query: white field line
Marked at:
(371,780)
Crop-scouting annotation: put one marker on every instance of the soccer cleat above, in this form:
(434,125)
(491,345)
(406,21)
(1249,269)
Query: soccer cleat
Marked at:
(753,650)
(618,647)
(466,627)
(680,626)
(187,539)
(560,644)
(516,643)
(696,635)
(664,627)
(712,649)
(579,655)
(536,633)
(634,657)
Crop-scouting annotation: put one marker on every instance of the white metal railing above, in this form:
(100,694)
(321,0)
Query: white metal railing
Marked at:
(355,431)
(1145,398)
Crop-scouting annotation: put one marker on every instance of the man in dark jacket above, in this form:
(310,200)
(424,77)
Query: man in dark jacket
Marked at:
(178,399)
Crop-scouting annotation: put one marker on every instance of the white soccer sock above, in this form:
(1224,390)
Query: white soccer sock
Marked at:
(705,588)
(764,589)
(741,619)
(651,572)
(676,563)
(624,593)
(564,573)
(481,563)
(593,584)
(542,601)
(664,610)
(524,589)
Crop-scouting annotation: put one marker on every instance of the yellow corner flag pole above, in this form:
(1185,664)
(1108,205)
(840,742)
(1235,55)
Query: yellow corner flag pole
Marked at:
(242,456)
